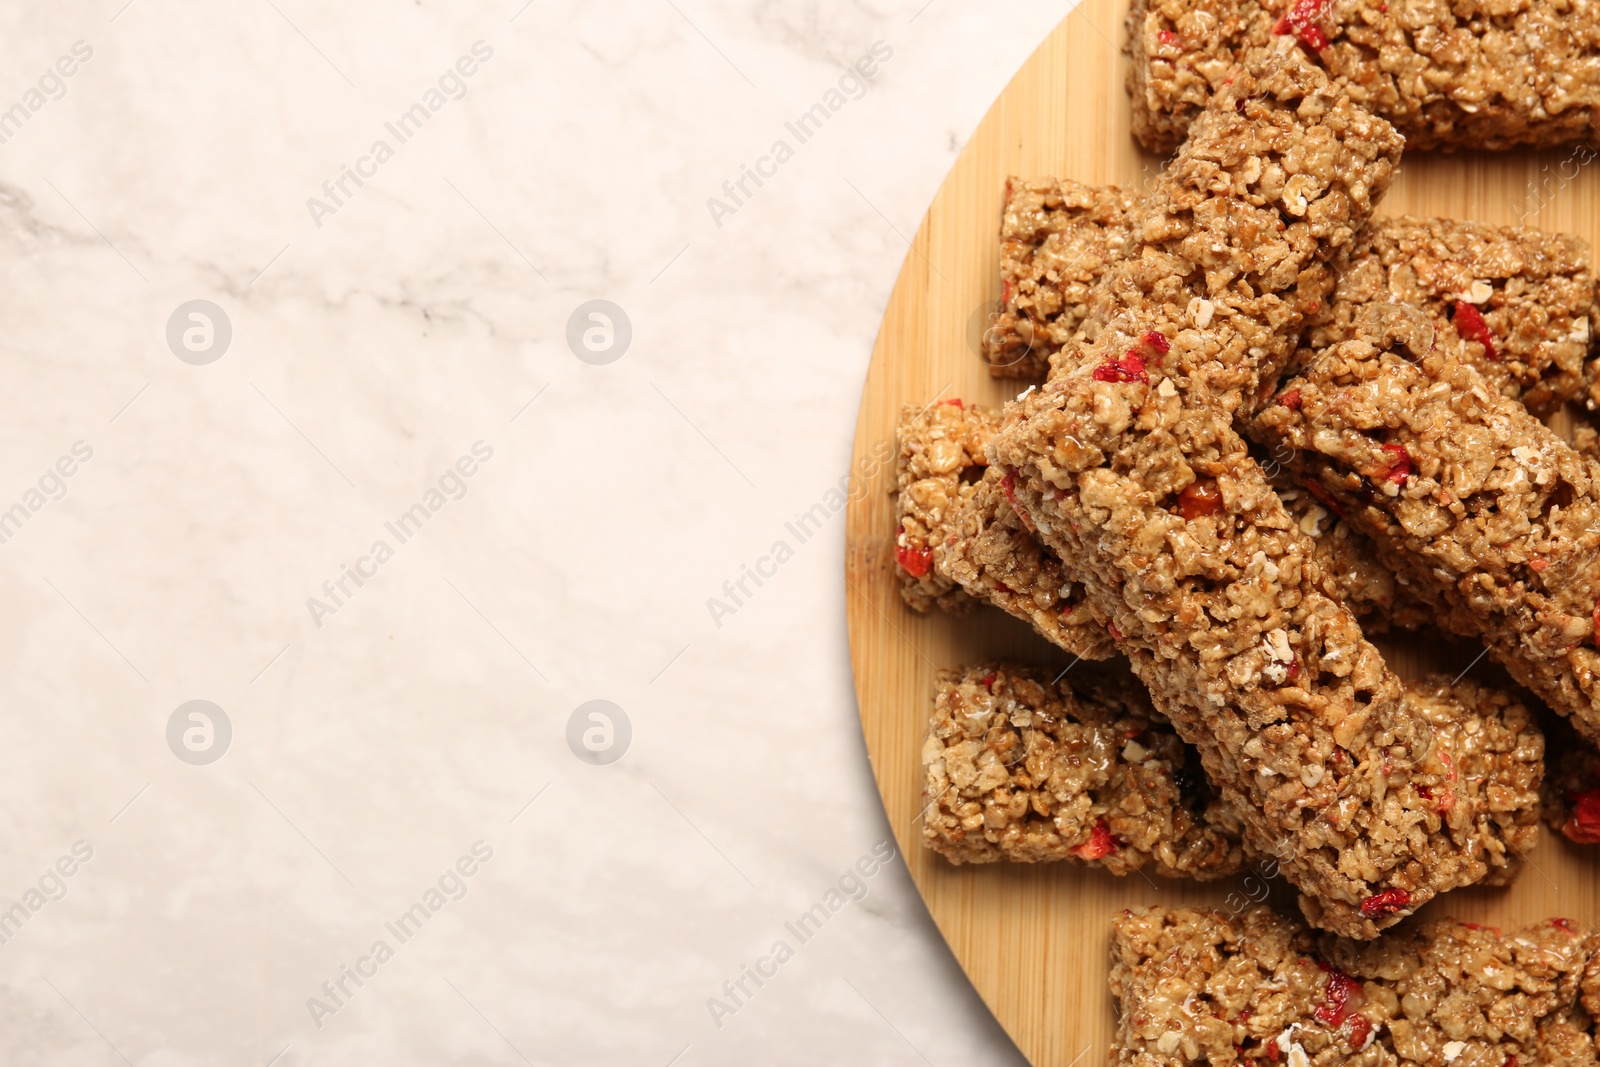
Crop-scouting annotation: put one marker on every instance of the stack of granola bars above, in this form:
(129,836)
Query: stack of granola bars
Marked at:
(1264,425)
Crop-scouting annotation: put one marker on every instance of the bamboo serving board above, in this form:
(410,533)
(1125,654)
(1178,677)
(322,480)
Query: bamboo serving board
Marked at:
(1033,939)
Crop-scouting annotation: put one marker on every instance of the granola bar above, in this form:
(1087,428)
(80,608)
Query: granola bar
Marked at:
(1484,772)
(1466,495)
(1571,790)
(939,446)
(1020,769)
(1529,295)
(1056,240)
(1252,987)
(1521,300)
(957,544)
(989,550)
(1024,769)
(1128,464)
(1467,76)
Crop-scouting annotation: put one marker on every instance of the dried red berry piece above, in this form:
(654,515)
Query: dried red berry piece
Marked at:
(1301,20)
(1116,634)
(955,403)
(1565,924)
(1130,368)
(987,681)
(1583,825)
(1339,997)
(1290,399)
(1396,467)
(1167,37)
(1469,324)
(1332,505)
(1386,903)
(1008,486)
(1199,498)
(1100,844)
(1360,1030)
(1158,341)
(914,561)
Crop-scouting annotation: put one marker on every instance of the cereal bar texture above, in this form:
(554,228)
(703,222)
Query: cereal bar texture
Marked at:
(939,445)
(1128,463)
(1571,790)
(1529,295)
(1586,440)
(1522,301)
(1466,495)
(1484,772)
(1347,564)
(1254,988)
(1057,239)
(1020,769)
(992,554)
(1463,76)
(959,542)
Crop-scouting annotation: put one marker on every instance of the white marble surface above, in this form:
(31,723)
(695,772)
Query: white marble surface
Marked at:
(368,353)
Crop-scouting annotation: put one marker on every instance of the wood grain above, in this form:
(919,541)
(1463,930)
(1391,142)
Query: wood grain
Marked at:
(1032,940)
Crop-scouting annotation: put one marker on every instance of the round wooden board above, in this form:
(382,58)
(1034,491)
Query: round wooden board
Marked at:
(1033,939)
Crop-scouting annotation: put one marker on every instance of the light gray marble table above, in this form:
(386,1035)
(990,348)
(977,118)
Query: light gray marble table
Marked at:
(306,418)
